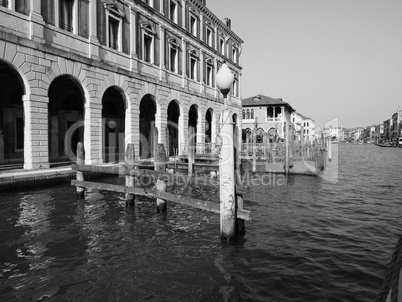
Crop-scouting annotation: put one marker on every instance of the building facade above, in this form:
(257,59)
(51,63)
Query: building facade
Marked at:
(109,73)
(304,127)
(267,116)
(395,129)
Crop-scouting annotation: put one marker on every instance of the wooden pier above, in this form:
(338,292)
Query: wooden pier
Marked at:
(134,173)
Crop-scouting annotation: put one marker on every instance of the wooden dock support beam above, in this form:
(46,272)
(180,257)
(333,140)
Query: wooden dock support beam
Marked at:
(80,174)
(130,180)
(160,166)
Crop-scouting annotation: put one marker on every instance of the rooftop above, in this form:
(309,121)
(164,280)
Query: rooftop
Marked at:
(262,100)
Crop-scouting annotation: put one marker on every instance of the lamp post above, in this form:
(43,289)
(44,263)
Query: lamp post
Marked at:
(224,80)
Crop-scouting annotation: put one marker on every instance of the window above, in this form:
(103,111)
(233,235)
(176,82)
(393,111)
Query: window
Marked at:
(193,62)
(222,46)
(234,54)
(209,67)
(270,114)
(248,114)
(173,55)
(209,36)
(234,86)
(244,114)
(147,42)
(193,25)
(67,15)
(252,114)
(173,11)
(114,20)
(113,33)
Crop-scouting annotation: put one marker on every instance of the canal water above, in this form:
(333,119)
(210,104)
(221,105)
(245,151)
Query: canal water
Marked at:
(327,238)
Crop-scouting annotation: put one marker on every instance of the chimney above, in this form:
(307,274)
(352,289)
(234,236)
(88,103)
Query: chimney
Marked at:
(228,22)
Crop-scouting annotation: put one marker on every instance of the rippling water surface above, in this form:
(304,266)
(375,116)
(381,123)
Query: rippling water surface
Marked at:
(325,238)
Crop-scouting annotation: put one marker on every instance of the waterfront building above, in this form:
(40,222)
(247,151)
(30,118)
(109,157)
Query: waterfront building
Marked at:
(395,128)
(379,133)
(109,73)
(267,116)
(304,127)
(387,129)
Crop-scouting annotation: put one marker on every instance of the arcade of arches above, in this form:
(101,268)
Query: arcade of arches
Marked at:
(38,133)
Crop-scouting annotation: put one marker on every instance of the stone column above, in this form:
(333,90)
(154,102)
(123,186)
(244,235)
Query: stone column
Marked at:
(36,148)
(93,131)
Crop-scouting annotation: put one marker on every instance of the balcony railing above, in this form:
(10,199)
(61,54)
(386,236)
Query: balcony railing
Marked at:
(202,148)
(65,27)
(274,119)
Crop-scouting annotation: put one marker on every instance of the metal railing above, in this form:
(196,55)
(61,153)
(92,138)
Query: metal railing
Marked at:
(275,152)
(201,148)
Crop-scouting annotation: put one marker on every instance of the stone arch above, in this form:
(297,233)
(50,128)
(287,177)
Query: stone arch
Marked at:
(114,106)
(13,87)
(173,118)
(65,117)
(148,108)
(193,124)
(209,119)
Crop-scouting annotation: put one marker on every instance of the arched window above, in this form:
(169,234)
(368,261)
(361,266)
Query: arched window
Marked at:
(270,113)
(244,114)
(248,114)
(252,114)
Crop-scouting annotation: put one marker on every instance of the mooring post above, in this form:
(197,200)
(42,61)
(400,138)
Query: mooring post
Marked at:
(255,148)
(130,180)
(191,150)
(227,179)
(160,166)
(80,174)
(329,149)
(286,148)
(241,229)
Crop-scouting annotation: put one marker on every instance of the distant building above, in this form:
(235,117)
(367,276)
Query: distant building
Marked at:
(379,133)
(109,73)
(303,126)
(387,130)
(266,115)
(395,128)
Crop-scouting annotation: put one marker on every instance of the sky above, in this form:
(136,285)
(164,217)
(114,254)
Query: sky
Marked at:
(329,59)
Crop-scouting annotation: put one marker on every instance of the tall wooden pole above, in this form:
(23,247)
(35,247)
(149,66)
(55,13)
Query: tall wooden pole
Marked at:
(160,166)
(329,148)
(130,180)
(227,177)
(80,174)
(241,229)
(255,148)
(286,148)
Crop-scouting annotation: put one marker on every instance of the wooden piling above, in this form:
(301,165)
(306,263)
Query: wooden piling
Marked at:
(160,166)
(191,150)
(240,226)
(329,149)
(254,169)
(80,174)
(286,147)
(227,179)
(130,180)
